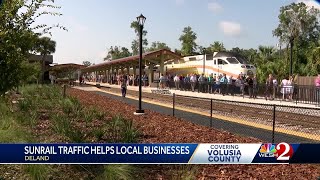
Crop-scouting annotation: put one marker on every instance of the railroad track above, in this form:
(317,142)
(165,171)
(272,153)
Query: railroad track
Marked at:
(285,116)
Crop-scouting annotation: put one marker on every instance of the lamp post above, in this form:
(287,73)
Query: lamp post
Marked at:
(204,60)
(140,19)
(291,53)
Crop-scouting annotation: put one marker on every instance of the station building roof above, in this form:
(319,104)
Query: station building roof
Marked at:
(148,57)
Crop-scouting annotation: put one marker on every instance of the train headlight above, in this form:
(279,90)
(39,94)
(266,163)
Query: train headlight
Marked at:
(250,72)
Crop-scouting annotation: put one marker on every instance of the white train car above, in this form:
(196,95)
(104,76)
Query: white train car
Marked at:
(227,63)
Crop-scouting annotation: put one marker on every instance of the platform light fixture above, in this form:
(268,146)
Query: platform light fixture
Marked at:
(141,20)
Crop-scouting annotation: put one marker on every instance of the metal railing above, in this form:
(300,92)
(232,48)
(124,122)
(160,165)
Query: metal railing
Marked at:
(280,123)
(297,94)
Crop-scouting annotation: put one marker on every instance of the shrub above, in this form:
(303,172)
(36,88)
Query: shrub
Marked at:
(33,118)
(130,134)
(184,172)
(115,172)
(98,133)
(75,135)
(88,116)
(61,124)
(67,106)
(100,115)
(122,130)
(76,104)
(37,172)
(25,104)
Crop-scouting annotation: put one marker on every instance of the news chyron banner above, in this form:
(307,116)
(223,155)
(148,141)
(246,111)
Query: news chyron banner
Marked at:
(282,153)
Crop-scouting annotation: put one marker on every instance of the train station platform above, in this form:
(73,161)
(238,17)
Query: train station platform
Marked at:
(237,98)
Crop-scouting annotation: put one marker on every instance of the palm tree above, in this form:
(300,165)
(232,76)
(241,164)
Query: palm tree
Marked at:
(217,46)
(45,46)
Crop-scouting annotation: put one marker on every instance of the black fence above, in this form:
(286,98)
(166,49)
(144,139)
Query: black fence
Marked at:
(274,123)
(295,94)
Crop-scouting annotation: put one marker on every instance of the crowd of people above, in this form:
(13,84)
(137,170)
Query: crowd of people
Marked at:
(221,84)
(214,84)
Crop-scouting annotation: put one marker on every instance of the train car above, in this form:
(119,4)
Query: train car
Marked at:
(228,63)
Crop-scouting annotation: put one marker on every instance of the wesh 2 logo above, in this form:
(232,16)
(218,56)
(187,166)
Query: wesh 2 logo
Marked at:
(282,151)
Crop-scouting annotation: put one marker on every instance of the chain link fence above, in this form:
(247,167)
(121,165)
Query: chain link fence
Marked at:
(274,122)
(295,94)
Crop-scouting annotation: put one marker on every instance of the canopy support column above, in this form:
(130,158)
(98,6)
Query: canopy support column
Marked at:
(150,74)
(161,65)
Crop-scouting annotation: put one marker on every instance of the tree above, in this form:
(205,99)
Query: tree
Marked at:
(117,53)
(297,21)
(45,46)
(135,43)
(157,45)
(217,47)
(299,26)
(188,41)
(18,36)
(86,63)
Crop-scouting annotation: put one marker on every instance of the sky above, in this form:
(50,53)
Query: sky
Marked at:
(95,25)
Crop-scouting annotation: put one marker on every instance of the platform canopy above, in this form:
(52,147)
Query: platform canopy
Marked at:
(157,57)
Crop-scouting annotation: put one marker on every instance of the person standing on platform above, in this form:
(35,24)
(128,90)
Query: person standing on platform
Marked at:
(223,84)
(317,85)
(250,86)
(255,87)
(275,87)
(193,81)
(201,81)
(269,87)
(176,80)
(210,83)
(186,82)
(123,82)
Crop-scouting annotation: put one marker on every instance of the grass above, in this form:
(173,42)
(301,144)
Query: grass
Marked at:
(10,130)
(122,130)
(67,106)
(98,133)
(75,135)
(115,172)
(61,124)
(63,113)
(25,105)
(37,172)
(184,172)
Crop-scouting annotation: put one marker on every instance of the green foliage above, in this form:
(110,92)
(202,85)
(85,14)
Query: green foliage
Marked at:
(98,133)
(61,124)
(67,106)
(25,104)
(130,134)
(37,172)
(157,45)
(122,130)
(86,63)
(18,37)
(216,47)
(121,172)
(297,21)
(75,135)
(117,52)
(184,172)
(188,41)
(10,131)
(31,72)
(135,43)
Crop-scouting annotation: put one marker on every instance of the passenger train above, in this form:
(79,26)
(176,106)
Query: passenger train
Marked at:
(218,63)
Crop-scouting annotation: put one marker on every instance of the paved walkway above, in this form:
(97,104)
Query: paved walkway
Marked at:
(235,128)
(213,96)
